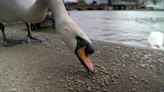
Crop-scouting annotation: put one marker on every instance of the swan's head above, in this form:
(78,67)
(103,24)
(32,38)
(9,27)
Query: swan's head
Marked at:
(82,50)
(77,41)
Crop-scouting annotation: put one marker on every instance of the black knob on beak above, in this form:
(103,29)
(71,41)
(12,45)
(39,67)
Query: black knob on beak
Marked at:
(89,49)
(84,43)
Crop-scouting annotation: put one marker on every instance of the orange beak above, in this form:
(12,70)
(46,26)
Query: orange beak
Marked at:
(85,59)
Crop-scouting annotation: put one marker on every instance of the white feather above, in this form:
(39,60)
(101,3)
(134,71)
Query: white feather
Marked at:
(156,39)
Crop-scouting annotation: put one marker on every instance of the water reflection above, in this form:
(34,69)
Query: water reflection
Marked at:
(128,27)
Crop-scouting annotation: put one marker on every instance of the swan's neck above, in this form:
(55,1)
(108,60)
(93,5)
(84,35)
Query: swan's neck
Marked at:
(58,9)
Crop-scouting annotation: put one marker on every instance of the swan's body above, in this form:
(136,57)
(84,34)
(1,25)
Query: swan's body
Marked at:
(156,39)
(34,11)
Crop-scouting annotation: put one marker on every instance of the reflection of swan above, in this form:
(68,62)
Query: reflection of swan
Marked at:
(34,11)
(156,39)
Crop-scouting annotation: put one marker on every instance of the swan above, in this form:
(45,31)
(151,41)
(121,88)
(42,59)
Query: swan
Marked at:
(156,39)
(34,11)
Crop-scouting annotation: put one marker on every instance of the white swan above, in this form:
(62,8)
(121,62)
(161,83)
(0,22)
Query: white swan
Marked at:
(34,11)
(156,40)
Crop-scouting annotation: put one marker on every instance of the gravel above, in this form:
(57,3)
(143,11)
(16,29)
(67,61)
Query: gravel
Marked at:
(51,67)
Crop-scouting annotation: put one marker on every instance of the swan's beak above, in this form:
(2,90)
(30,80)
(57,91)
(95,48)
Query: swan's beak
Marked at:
(86,61)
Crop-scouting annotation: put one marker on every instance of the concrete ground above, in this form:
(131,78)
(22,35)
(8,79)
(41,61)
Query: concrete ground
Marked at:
(50,67)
